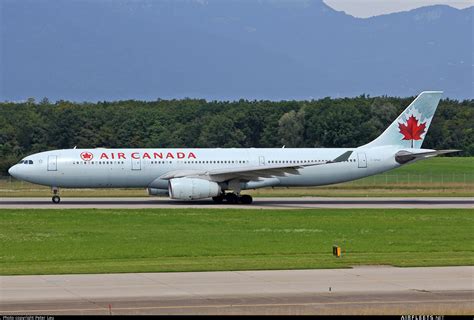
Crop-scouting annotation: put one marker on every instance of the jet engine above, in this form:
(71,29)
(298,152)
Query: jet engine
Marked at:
(192,188)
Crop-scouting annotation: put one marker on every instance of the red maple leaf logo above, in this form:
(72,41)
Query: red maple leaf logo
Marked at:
(86,156)
(412,130)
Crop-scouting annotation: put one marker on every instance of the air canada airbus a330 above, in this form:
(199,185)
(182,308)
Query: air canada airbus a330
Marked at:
(189,174)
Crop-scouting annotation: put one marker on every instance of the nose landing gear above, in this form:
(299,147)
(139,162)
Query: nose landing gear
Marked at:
(55,198)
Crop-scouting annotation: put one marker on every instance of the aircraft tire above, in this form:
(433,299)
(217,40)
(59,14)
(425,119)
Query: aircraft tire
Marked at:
(246,199)
(231,198)
(56,199)
(218,199)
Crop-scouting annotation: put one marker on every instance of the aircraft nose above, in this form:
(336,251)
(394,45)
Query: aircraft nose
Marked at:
(13,171)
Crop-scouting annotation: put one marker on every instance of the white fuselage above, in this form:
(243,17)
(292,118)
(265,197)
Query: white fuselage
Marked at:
(108,168)
(189,174)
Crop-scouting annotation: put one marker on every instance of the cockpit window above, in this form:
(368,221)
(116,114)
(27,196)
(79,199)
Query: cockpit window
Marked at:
(21,161)
(30,161)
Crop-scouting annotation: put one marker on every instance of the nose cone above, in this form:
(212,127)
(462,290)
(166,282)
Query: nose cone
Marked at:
(13,171)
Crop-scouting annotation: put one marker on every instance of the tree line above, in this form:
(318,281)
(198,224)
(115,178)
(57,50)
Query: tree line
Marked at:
(31,126)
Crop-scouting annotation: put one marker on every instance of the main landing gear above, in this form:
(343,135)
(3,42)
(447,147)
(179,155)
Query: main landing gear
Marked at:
(233,198)
(56,198)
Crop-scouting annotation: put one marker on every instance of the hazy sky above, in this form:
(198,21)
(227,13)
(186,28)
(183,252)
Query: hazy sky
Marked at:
(368,8)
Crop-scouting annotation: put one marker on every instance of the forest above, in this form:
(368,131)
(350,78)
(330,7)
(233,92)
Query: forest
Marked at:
(34,126)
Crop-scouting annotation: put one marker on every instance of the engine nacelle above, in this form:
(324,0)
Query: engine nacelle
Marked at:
(192,189)
(157,192)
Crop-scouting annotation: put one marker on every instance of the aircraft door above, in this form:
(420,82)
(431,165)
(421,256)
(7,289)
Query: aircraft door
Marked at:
(362,160)
(136,164)
(52,163)
(261,160)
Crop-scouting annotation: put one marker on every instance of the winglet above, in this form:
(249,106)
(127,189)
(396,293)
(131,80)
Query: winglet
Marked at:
(343,157)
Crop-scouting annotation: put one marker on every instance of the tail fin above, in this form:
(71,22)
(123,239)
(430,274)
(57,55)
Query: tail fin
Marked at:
(410,128)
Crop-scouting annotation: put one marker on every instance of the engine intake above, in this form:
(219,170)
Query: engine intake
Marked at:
(192,189)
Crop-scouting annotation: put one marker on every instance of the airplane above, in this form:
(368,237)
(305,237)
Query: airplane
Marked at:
(221,174)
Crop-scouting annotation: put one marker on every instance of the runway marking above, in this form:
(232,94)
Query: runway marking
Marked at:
(241,305)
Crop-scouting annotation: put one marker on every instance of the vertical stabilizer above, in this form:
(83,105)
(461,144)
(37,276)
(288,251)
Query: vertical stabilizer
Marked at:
(410,128)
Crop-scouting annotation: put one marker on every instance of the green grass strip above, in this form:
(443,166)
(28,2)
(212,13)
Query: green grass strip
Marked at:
(164,240)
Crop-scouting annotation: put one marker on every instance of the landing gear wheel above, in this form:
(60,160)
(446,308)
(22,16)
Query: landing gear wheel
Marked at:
(218,199)
(56,199)
(231,198)
(246,199)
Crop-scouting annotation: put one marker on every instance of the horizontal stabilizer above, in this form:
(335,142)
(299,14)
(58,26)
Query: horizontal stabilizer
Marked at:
(406,156)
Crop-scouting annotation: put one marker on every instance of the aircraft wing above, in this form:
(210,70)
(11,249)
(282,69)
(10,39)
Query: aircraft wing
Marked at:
(406,156)
(251,173)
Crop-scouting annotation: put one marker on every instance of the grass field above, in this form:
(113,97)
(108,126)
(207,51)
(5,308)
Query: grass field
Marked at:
(154,240)
(435,177)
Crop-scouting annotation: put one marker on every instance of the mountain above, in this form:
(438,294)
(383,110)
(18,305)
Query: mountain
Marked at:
(91,50)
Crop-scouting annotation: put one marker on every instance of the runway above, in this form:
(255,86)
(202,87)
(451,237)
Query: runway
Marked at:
(361,290)
(259,203)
